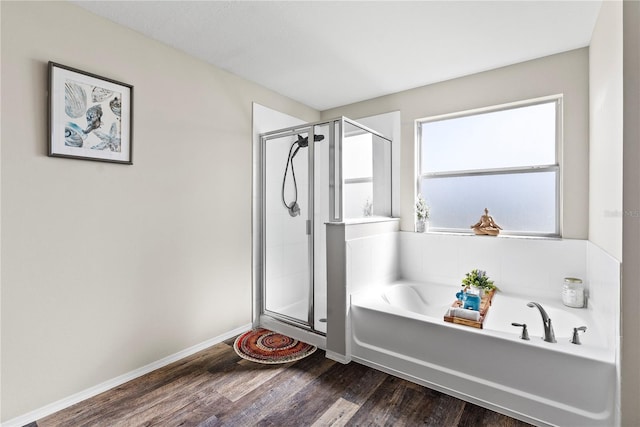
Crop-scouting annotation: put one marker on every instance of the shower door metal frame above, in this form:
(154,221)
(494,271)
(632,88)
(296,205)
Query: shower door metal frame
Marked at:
(336,200)
(335,170)
(264,138)
(340,186)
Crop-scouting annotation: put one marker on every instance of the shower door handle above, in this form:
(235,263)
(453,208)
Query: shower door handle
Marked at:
(308,227)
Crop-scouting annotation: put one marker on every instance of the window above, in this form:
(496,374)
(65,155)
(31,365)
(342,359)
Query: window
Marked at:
(501,158)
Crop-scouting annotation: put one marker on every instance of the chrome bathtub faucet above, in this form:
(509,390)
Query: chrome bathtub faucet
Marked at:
(549,336)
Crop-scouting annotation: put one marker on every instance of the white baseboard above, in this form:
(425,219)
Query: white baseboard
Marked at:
(107,385)
(341,358)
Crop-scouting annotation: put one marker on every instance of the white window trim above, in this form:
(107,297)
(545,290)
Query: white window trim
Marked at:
(558,99)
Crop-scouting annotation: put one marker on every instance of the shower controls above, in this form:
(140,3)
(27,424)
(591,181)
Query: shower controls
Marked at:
(294,209)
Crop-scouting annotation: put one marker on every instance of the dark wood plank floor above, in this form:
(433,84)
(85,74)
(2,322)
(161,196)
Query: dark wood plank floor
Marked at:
(215,387)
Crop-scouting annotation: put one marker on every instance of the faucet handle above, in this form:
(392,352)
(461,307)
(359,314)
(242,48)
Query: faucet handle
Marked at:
(576,337)
(525,333)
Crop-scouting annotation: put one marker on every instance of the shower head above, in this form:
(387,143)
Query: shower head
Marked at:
(304,142)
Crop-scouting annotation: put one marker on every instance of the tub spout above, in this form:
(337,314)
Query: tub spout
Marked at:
(549,336)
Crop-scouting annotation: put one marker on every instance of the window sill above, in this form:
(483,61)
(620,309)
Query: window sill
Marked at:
(501,236)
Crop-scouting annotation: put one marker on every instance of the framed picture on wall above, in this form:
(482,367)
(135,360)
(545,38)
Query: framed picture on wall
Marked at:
(90,117)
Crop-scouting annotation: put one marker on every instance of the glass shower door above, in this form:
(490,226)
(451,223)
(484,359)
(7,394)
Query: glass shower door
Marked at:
(312,175)
(288,234)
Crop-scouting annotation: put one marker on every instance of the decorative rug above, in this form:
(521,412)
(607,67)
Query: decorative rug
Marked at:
(265,346)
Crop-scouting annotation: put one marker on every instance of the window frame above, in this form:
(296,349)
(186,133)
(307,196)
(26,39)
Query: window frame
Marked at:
(555,167)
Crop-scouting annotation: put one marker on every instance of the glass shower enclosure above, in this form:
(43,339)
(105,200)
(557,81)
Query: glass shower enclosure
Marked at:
(312,174)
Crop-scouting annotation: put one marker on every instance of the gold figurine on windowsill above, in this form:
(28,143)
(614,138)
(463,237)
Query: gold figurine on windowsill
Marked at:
(486,225)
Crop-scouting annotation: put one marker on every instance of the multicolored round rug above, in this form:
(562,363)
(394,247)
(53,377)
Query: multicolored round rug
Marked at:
(265,346)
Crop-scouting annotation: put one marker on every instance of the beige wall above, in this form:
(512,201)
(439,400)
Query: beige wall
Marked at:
(605,147)
(106,268)
(565,73)
(630,293)
(109,267)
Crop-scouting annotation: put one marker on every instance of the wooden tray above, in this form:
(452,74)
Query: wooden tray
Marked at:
(485,303)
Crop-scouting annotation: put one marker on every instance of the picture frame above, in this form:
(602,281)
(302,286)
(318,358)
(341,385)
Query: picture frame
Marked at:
(90,116)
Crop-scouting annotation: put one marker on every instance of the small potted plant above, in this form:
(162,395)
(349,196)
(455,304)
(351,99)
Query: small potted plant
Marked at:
(422,214)
(478,279)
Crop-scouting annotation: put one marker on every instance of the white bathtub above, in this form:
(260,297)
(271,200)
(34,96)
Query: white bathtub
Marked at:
(400,329)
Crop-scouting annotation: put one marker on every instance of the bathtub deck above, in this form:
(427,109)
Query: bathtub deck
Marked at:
(215,387)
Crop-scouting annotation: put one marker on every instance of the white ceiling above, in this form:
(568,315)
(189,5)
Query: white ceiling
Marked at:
(331,53)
